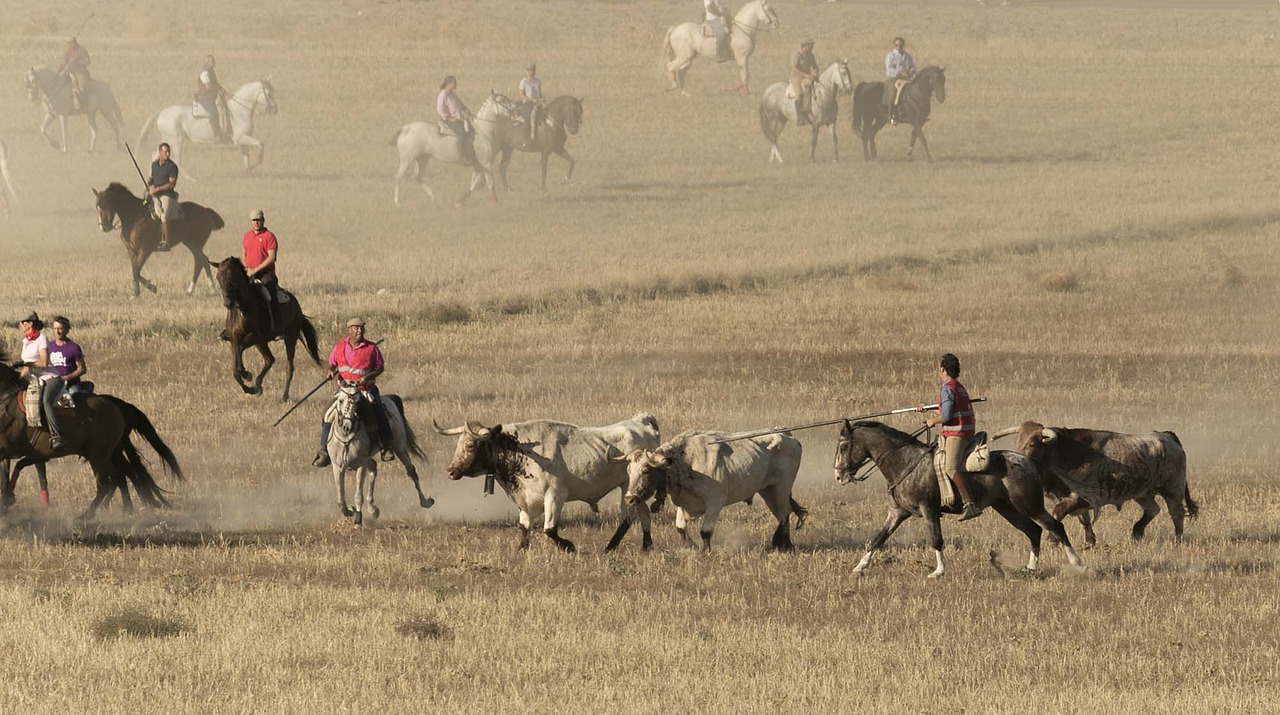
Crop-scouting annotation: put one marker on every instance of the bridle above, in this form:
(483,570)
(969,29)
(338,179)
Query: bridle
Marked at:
(875,460)
(750,30)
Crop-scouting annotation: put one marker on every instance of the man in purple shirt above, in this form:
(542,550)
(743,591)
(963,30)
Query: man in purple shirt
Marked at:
(454,115)
(65,356)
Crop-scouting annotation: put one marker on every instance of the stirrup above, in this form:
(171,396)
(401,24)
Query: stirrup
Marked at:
(971,511)
(321,460)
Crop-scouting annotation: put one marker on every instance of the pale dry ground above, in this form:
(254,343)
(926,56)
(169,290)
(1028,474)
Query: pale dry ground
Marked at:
(1099,222)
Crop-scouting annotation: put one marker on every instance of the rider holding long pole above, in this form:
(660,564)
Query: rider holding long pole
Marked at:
(955,414)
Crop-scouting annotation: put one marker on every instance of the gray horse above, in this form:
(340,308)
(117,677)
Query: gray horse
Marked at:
(776,109)
(349,448)
(53,91)
(7,194)
(1010,486)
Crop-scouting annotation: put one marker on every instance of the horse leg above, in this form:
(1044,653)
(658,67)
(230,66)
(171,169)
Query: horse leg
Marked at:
(400,445)
(198,259)
(545,156)
(933,520)
(339,483)
(564,154)
(268,360)
(362,476)
(42,474)
(374,511)
(744,76)
(1029,528)
(44,129)
(895,518)
(813,143)
(1058,533)
(290,347)
(924,143)
(835,145)
(62,123)
(502,168)
(238,372)
(92,119)
(911,148)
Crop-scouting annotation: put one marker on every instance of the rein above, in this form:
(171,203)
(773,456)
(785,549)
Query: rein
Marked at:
(875,461)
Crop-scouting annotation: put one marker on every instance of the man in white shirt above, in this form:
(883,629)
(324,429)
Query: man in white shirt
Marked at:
(531,102)
(208,92)
(899,68)
(715,19)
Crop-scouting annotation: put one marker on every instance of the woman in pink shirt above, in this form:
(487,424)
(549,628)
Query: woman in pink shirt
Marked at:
(454,115)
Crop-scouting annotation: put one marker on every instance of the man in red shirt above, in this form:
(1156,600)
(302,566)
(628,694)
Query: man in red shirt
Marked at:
(260,261)
(357,360)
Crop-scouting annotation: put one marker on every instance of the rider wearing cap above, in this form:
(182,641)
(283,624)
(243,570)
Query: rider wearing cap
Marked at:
(260,261)
(357,360)
(531,101)
(804,72)
(34,365)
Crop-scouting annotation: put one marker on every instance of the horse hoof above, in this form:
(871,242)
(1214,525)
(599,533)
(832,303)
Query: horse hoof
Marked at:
(348,511)
(426,502)
(374,512)
(358,519)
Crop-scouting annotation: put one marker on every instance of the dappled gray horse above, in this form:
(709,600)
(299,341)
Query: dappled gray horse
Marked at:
(53,92)
(349,448)
(1010,485)
(776,109)
(419,142)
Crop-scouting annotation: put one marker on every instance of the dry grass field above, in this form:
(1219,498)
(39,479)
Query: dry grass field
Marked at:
(1096,239)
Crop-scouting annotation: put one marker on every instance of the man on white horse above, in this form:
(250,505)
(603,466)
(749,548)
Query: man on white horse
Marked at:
(164,177)
(75,66)
(899,68)
(804,72)
(357,360)
(209,91)
(531,102)
(455,114)
(714,19)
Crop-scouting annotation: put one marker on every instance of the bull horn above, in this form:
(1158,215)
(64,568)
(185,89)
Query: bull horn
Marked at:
(1048,434)
(1004,433)
(623,457)
(659,460)
(436,426)
(475,429)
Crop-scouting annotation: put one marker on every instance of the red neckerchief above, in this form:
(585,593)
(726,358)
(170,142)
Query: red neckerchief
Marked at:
(32,334)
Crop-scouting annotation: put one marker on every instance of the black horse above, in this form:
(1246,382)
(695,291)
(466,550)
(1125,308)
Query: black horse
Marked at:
(871,108)
(1010,486)
(249,326)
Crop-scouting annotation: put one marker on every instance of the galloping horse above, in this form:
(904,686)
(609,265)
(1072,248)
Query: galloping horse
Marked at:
(53,91)
(684,42)
(178,123)
(141,233)
(127,461)
(1011,486)
(248,325)
(871,108)
(419,142)
(776,109)
(97,430)
(349,448)
(561,118)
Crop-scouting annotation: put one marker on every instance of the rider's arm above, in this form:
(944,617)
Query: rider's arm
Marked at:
(80,370)
(373,373)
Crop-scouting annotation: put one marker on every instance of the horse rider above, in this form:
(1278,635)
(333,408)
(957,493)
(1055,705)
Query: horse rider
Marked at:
(714,15)
(804,72)
(455,114)
(899,68)
(531,102)
(75,66)
(208,92)
(164,177)
(34,365)
(357,360)
(955,414)
(260,262)
(67,358)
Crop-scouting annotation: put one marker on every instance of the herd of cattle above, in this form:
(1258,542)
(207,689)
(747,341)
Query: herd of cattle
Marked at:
(542,465)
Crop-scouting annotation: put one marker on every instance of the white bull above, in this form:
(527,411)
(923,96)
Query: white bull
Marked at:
(702,478)
(542,465)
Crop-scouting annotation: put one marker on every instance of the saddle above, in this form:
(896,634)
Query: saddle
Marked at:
(29,405)
(282,296)
(977,459)
(446,131)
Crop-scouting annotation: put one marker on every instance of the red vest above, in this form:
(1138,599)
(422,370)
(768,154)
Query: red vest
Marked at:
(962,423)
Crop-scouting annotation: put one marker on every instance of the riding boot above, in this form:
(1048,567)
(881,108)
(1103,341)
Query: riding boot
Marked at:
(383,424)
(971,510)
(322,457)
(49,392)
(164,237)
(802,115)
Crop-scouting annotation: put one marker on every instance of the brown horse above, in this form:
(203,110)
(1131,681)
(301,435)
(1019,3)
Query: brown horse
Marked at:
(562,117)
(871,109)
(97,430)
(248,325)
(140,232)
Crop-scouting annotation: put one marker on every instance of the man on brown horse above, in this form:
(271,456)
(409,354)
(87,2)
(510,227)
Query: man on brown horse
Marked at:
(531,103)
(260,262)
(164,177)
(75,66)
(899,69)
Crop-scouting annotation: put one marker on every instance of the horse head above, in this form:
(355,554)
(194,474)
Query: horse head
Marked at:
(267,96)
(32,87)
(851,454)
(937,79)
(844,79)
(233,279)
(348,402)
(113,201)
(768,15)
(571,117)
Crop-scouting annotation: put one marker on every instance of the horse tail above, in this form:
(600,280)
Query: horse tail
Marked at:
(137,421)
(309,339)
(395,138)
(668,52)
(134,467)
(800,512)
(410,439)
(7,188)
(147,126)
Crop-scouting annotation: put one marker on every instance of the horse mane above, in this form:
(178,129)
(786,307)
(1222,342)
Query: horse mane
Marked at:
(8,378)
(888,431)
(234,281)
(116,187)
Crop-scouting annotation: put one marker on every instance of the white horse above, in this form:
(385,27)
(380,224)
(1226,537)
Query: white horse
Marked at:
(685,42)
(7,194)
(348,448)
(776,109)
(53,92)
(418,142)
(178,123)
